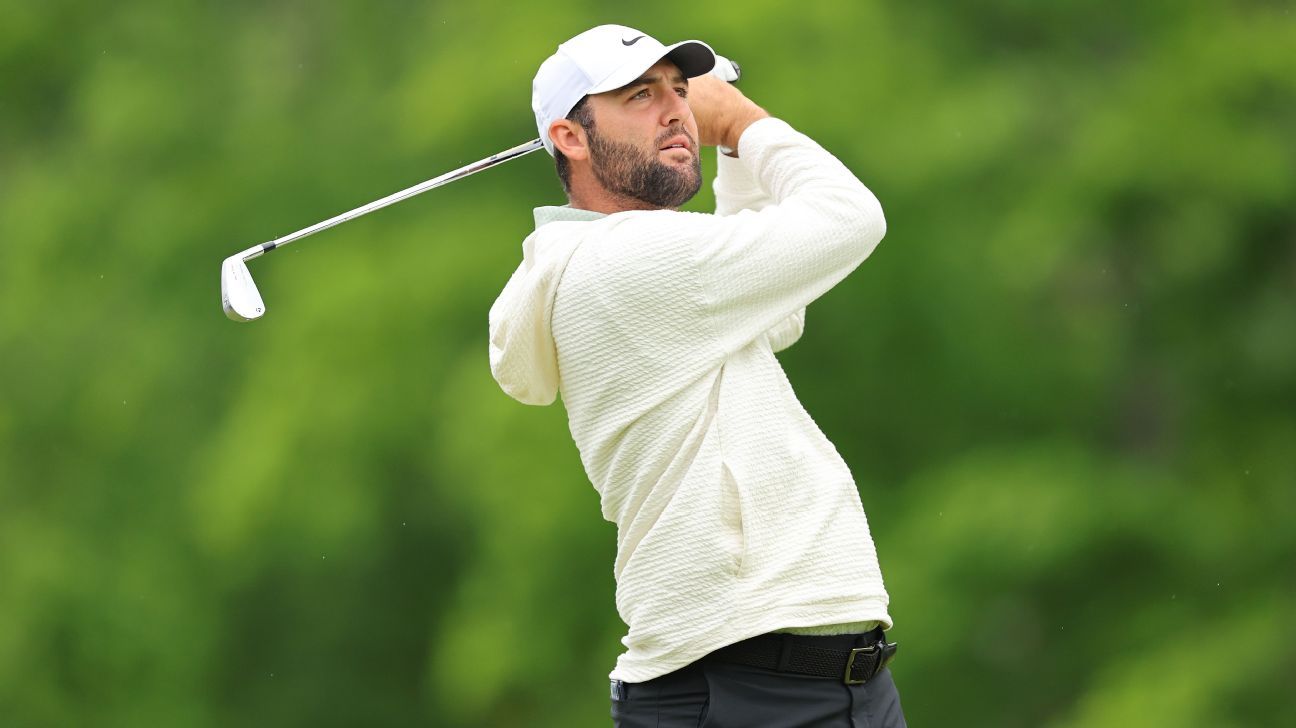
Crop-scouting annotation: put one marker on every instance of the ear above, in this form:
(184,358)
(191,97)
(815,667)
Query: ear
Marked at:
(570,139)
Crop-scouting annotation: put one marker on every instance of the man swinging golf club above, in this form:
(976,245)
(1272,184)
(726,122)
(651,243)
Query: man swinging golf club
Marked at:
(745,569)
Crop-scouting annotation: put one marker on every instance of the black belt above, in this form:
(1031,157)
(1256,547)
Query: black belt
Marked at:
(853,659)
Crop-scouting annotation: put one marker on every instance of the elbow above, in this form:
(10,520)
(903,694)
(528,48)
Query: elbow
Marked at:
(860,216)
(870,223)
(876,222)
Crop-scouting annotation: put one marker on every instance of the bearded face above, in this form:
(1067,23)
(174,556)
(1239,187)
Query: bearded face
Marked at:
(628,170)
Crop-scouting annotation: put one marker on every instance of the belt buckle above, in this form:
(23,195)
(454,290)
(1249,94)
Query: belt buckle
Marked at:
(887,652)
(850,663)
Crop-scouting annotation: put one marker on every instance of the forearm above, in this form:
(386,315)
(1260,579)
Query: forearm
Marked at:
(820,222)
(786,332)
(736,121)
(736,188)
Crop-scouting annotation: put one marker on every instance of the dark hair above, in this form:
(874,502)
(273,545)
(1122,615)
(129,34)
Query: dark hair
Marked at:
(582,114)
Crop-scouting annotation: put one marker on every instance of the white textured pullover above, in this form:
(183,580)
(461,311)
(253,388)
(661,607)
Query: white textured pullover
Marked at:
(735,515)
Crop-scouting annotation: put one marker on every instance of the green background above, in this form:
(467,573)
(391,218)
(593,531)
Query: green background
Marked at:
(1065,382)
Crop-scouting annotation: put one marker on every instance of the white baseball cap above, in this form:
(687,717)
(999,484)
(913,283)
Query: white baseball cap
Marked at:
(603,59)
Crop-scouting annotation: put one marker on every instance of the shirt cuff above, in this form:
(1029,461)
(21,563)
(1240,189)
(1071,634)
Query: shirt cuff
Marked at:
(736,177)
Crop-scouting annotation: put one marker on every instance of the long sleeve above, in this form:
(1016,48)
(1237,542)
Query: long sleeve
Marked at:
(786,332)
(737,189)
(791,221)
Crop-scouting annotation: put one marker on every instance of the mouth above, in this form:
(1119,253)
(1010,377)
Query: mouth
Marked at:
(679,142)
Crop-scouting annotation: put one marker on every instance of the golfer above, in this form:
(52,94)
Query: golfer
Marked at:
(745,569)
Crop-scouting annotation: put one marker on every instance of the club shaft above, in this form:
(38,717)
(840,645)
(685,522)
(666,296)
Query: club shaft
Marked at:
(491,161)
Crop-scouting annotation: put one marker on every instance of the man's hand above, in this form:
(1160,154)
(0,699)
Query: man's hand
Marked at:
(722,112)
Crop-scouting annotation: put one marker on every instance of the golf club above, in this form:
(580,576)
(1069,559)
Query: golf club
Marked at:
(239,295)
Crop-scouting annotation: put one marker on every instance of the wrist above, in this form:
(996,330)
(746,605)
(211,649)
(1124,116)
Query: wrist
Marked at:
(740,124)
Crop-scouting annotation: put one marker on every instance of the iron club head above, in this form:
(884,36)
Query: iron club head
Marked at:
(239,294)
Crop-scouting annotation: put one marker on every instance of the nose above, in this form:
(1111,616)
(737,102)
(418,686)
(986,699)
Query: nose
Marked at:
(677,109)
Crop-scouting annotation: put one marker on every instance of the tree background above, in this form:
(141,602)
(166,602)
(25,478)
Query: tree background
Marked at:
(1065,382)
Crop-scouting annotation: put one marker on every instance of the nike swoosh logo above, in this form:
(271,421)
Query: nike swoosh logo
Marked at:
(630,42)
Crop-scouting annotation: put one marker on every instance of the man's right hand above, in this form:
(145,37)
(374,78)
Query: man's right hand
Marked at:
(721,111)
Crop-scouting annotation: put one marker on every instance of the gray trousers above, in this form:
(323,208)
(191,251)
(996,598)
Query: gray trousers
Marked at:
(709,694)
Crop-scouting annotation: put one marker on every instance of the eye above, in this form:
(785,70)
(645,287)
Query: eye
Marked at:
(643,92)
(682,91)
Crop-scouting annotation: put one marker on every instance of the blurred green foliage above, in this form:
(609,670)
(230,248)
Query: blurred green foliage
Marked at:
(1066,381)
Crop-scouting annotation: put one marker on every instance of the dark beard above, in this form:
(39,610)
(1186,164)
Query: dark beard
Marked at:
(627,171)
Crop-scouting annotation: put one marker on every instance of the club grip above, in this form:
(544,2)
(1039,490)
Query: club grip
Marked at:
(726,70)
